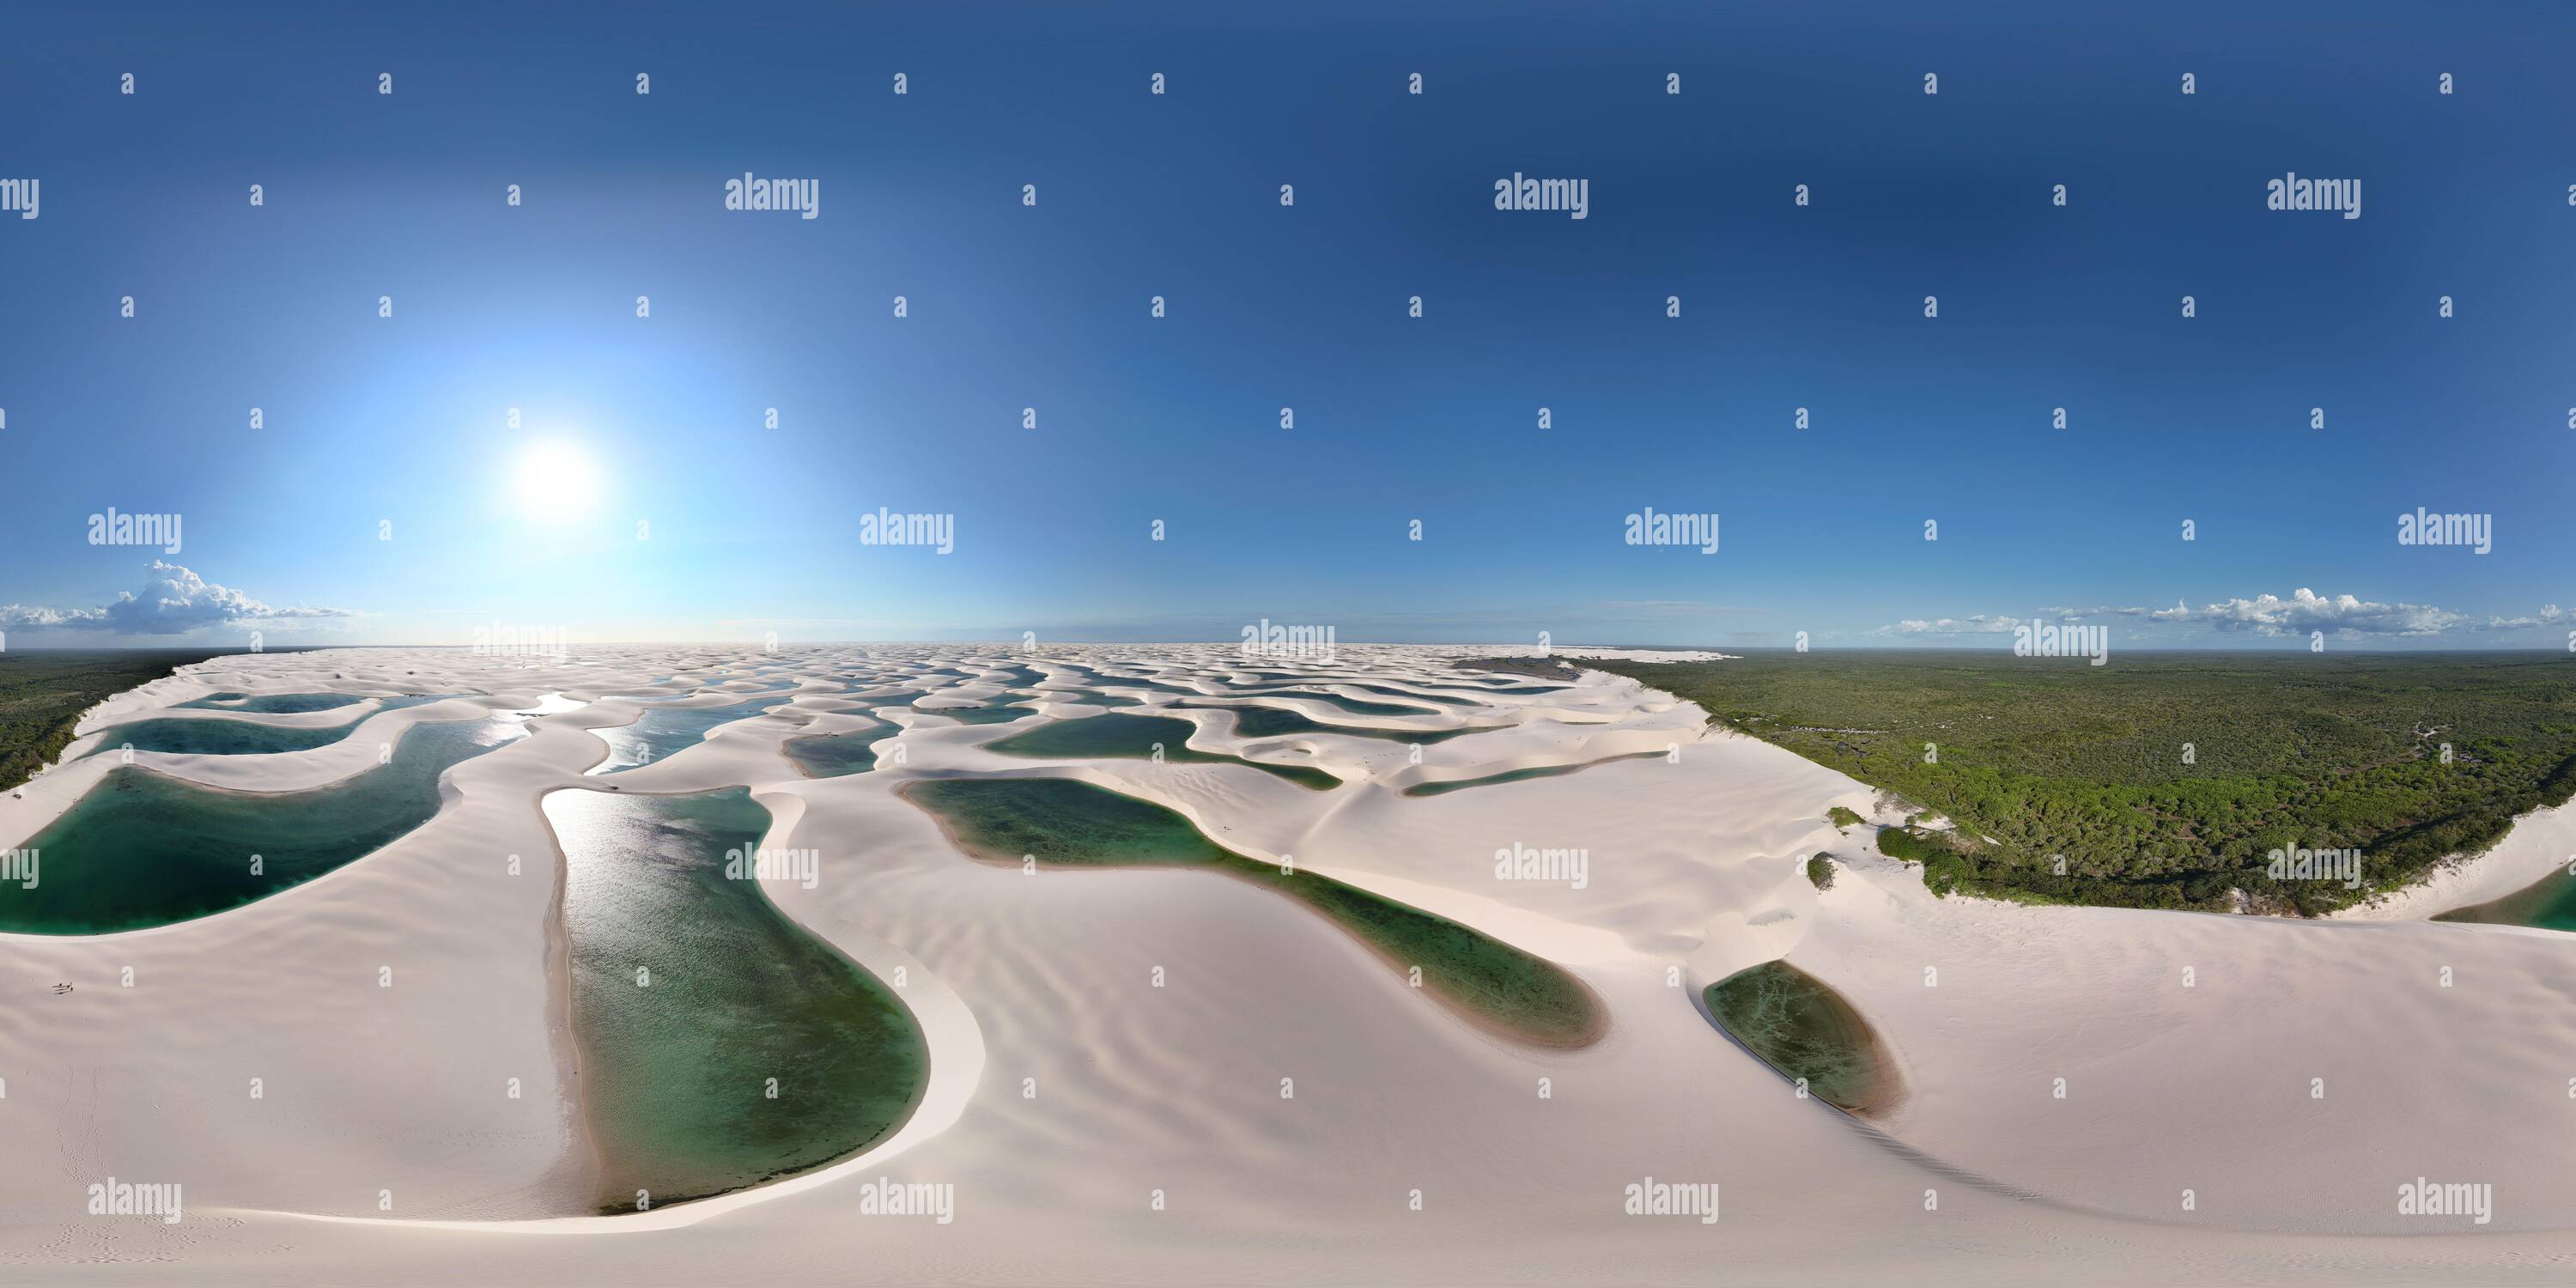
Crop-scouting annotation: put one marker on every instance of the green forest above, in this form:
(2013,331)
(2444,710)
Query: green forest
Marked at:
(2165,780)
(44,692)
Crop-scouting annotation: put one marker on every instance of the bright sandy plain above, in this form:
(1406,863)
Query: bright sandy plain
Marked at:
(2189,1045)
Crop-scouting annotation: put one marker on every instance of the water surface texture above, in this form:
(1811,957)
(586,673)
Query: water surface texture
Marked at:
(1354,706)
(1804,1029)
(831,755)
(1089,697)
(143,849)
(1107,680)
(208,736)
(1272,722)
(903,698)
(661,731)
(1520,775)
(1363,684)
(1062,821)
(274,704)
(998,709)
(1139,737)
(722,1045)
(2549,903)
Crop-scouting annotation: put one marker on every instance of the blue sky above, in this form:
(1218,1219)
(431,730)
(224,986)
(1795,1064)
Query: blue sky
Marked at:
(377,425)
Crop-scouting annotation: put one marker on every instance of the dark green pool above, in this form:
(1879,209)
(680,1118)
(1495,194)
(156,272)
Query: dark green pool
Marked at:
(1062,821)
(998,709)
(751,1050)
(2549,903)
(1131,737)
(1804,1029)
(1520,775)
(142,849)
(1354,706)
(660,731)
(274,704)
(831,755)
(1272,722)
(211,736)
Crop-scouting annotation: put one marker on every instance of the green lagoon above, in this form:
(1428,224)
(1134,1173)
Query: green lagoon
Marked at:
(1354,706)
(1804,1029)
(831,755)
(142,849)
(1127,737)
(2549,903)
(1271,722)
(899,699)
(1521,775)
(660,731)
(1060,821)
(212,736)
(1089,697)
(1000,708)
(722,1045)
(273,704)
(1106,680)
(1393,692)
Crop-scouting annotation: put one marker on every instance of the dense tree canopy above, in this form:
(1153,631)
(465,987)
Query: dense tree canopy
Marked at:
(43,693)
(2165,780)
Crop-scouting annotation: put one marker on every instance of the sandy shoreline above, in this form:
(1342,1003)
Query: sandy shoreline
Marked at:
(560,1031)
(2540,842)
(1456,1007)
(1106,1090)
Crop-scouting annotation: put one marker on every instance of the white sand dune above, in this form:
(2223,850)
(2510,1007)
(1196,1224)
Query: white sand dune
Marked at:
(1099,1125)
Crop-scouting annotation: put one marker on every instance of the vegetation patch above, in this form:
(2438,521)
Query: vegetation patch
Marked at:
(2165,780)
(44,693)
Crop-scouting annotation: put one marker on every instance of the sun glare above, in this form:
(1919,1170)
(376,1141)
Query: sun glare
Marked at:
(555,482)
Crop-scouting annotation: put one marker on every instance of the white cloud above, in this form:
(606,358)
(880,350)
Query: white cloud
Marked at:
(2307,611)
(2270,615)
(1976,624)
(173,601)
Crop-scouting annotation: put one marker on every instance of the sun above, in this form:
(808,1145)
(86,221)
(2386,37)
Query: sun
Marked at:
(555,482)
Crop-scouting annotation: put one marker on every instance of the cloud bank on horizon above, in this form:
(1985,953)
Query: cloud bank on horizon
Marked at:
(2267,615)
(173,600)
(176,600)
